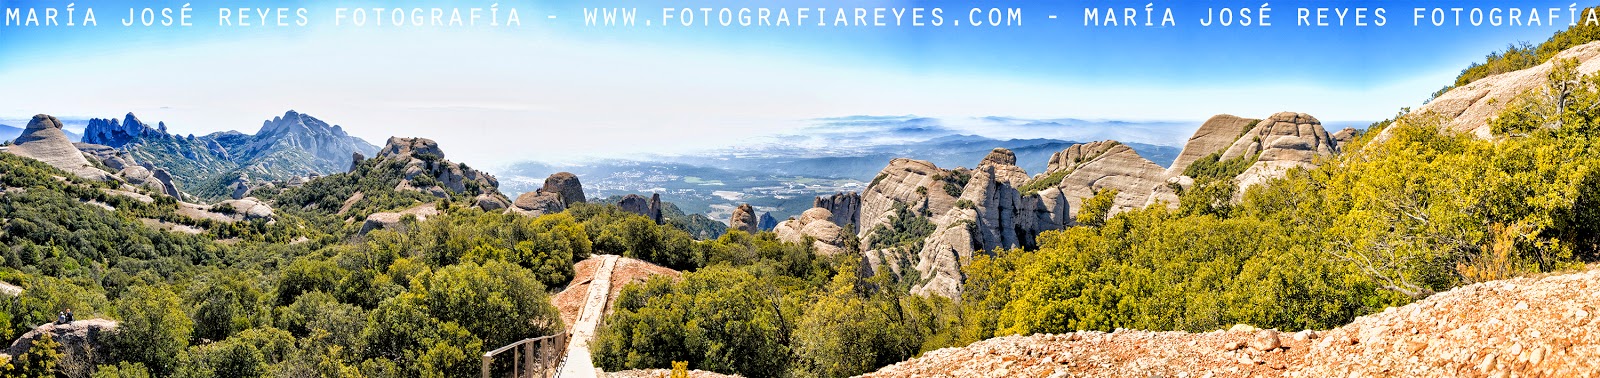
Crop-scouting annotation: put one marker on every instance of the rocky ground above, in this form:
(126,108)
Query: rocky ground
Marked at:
(570,300)
(658,373)
(1524,327)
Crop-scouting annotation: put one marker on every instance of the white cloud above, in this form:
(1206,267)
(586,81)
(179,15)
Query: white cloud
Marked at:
(495,98)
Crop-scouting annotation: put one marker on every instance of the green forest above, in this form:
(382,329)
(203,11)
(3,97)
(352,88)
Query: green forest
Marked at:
(1404,212)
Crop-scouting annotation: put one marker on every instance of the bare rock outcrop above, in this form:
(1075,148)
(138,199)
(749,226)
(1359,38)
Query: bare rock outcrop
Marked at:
(391,220)
(1535,326)
(538,203)
(1279,143)
(977,209)
(827,238)
(744,219)
(1215,135)
(845,207)
(83,343)
(565,185)
(1468,108)
(44,141)
(648,207)
(427,171)
(560,191)
(355,160)
(1345,136)
(1092,167)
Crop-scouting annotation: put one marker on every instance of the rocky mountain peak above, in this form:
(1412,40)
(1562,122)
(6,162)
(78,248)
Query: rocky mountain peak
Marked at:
(744,219)
(110,132)
(999,156)
(398,147)
(44,140)
(1214,135)
(1279,143)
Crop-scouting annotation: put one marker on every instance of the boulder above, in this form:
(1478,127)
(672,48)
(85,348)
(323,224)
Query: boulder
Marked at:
(1345,136)
(44,141)
(648,207)
(538,203)
(744,219)
(565,185)
(828,238)
(490,202)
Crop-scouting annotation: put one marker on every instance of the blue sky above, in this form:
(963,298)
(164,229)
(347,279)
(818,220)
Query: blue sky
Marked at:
(503,93)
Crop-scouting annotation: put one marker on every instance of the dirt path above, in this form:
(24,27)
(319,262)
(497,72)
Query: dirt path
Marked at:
(578,362)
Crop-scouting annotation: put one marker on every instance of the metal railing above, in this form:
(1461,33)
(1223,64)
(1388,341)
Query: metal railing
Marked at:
(536,357)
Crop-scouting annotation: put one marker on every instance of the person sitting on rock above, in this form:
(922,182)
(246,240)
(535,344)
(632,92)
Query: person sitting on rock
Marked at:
(69,315)
(61,317)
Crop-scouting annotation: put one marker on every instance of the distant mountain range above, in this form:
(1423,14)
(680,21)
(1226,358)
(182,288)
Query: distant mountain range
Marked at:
(782,178)
(286,147)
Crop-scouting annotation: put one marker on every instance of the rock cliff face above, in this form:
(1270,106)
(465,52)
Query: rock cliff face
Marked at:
(828,238)
(744,219)
(1089,168)
(1215,135)
(970,210)
(1468,108)
(845,207)
(566,186)
(1279,143)
(131,171)
(43,140)
(648,207)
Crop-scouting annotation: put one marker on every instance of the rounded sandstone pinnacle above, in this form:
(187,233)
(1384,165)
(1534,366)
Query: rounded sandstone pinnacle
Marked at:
(1265,340)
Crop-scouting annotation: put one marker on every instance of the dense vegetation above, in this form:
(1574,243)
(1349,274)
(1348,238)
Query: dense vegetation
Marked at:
(1521,55)
(767,308)
(423,299)
(1385,224)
